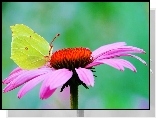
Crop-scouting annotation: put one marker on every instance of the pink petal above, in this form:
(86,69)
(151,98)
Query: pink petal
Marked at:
(113,63)
(29,85)
(46,92)
(58,78)
(127,64)
(85,76)
(13,76)
(135,57)
(16,70)
(98,62)
(25,77)
(118,52)
(105,48)
(94,63)
(127,49)
(118,64)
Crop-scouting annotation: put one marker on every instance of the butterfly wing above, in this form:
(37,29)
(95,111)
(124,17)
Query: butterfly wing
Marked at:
(28,49)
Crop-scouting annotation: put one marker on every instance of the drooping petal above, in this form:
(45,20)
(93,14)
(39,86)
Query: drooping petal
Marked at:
(126,64)
(126,49)
(105,48)
(105,61)
(58,78)
(85,76)
(94,63)
(117,52)
(25,77)
(16,70)
(29,85)
(118,64)
(135,57)
(13,76)
(114,63)
(46,92)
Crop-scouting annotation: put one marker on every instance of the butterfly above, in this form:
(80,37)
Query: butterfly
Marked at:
(28,49)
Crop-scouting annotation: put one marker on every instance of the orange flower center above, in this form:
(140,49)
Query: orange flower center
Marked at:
(71,58)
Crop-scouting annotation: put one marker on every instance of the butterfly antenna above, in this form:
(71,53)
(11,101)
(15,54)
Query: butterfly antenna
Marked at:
(51,46)
(54,39)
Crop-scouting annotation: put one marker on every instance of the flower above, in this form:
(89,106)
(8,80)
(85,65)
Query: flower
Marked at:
(69,66)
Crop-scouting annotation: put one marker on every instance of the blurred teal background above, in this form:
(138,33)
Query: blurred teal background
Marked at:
(89,25)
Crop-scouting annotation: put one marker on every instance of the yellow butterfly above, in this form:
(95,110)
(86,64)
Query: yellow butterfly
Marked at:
(28,49)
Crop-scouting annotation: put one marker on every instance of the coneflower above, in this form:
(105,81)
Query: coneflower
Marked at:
(71,67)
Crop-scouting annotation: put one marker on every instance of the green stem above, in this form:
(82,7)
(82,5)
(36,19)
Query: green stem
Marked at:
(74,96)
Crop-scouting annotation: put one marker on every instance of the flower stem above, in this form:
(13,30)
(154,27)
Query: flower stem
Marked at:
(74,96)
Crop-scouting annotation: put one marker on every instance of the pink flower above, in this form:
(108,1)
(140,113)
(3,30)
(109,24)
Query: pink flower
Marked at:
(71,65)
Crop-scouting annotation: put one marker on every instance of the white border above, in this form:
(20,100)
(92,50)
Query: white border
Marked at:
(152,4)
(3,113)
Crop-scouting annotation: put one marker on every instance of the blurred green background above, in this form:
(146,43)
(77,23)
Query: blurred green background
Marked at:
(89,25)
